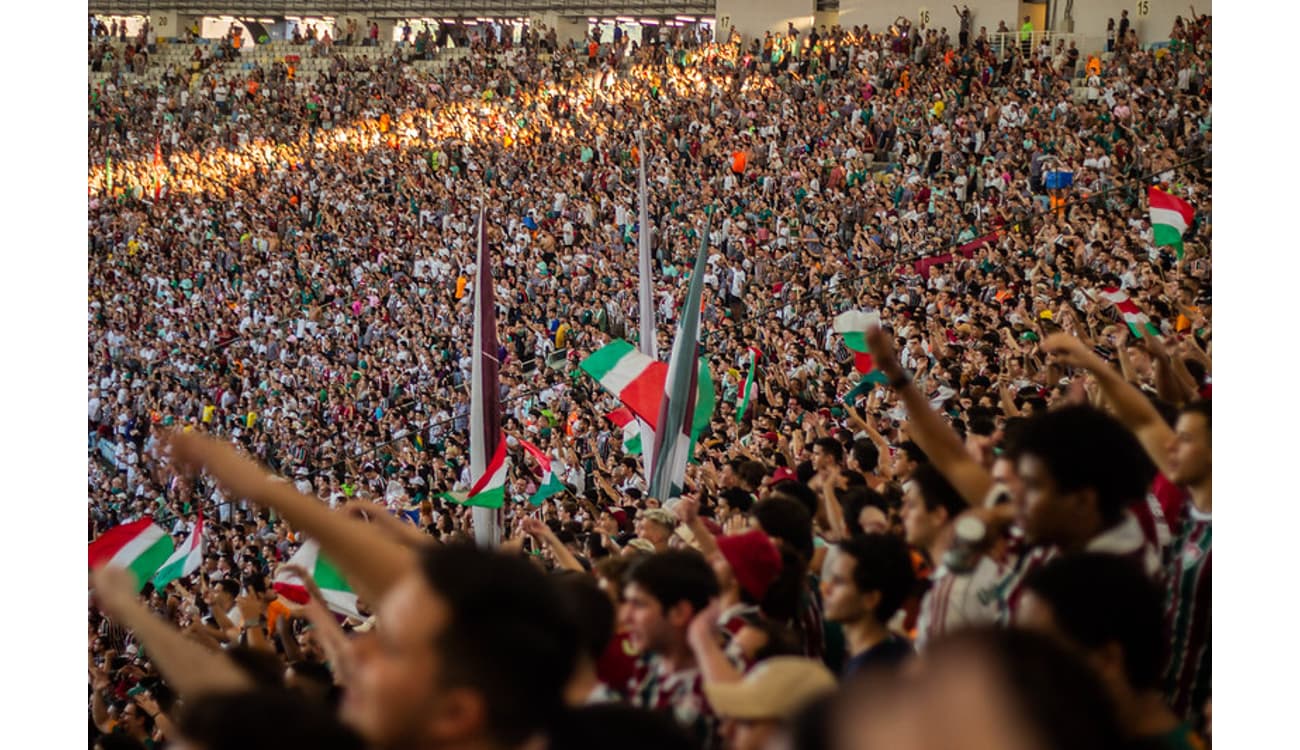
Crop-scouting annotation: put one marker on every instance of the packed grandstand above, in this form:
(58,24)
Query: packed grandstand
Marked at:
(479,389)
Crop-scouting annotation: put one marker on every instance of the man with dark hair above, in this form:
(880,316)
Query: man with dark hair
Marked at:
(1080,470)
(827,454)
(261,719)
(868,578)
(453,663)
(1183,455)
(864,458)
(750,475)
(594,614)
(908,456)
(790,521)
(455,659)
(931,506)
(1107,608)
(786,518)
(662,593)
(742,474)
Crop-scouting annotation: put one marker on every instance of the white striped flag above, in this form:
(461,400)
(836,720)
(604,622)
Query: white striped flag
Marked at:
(1170,217)
(674,434)
(550,484)
(487,444)
(1137,320)
(648,344)
(333,586)
(631,426)
(140,547)
(185,560)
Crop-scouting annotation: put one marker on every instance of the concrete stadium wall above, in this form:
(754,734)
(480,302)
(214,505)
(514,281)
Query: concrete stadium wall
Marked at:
(754,18)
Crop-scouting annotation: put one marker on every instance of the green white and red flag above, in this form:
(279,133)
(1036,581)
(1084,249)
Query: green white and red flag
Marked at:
(550,484)
(853,326)
(1170,217)
(631,426)
(140,547)
(635,378)
(1138,322)
(184,561)
(334,588)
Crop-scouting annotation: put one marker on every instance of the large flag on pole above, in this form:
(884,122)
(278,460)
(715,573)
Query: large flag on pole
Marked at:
(674,430)
(140,547)
(648,345)
(638,382)
(185,560)
(633,376)
(487,449)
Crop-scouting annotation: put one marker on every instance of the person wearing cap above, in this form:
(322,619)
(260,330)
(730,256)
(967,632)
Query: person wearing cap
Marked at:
(747,566)
(754,709)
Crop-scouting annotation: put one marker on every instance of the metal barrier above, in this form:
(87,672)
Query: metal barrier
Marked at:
(1006,42)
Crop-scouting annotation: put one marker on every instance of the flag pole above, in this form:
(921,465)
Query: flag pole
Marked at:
(676,411)
(647,344)
(485,392)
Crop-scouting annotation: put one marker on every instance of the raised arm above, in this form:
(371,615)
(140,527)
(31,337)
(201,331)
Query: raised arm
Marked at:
(543,534)
(939,441)
(702,637)
(829,506)
(367,556)
(868,425)
(99,684)
(333,641)
(688,511)
(187,666)
(1008,403)
(1130,405)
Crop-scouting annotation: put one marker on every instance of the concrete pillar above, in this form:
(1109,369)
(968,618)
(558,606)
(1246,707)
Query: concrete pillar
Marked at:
(171,23)
(567,28)
(827,18)
(754,18)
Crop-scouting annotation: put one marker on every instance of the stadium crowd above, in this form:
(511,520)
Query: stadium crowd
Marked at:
(1018,507)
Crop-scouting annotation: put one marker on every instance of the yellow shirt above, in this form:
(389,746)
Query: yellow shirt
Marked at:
(207,413)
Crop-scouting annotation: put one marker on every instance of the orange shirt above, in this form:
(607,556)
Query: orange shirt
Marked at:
(274,611)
